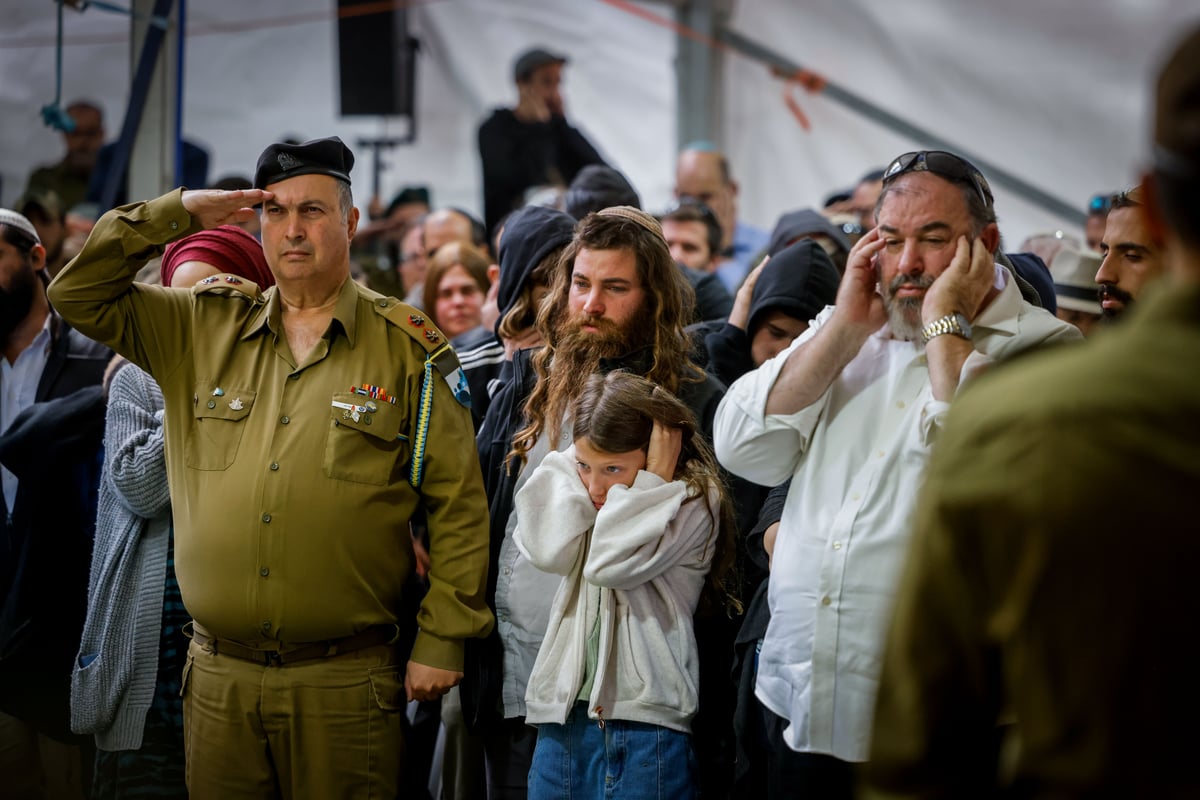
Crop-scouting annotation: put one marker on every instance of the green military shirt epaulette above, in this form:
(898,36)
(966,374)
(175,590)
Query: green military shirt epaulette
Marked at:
(439,355)
(228,285)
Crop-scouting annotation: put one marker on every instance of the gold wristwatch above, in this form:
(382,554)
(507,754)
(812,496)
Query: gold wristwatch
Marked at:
(954,323)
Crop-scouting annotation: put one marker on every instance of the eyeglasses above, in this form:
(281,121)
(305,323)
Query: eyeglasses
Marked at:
(943,164)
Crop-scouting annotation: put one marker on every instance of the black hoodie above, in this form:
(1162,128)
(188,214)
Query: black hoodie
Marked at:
(799,281)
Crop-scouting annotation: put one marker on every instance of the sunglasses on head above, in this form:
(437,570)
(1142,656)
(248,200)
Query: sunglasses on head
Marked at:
(1100,204)
(696,205)
(943,164)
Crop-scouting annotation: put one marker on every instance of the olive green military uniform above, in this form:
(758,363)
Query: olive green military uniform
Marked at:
(291,492)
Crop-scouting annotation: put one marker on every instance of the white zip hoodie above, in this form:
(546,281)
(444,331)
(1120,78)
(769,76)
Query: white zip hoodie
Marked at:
(648,551)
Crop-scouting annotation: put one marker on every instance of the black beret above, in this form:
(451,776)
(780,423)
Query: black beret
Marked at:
(281,161)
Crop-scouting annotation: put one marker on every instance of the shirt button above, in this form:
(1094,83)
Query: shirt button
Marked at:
(274,466)
(837,545)
(383,303)
(264,572)
(266,626)
(899,404)
(856,496)
(880,454)
(826,601)
(266,517)
(284,420)
(174,225)
(212,403)
(295,376)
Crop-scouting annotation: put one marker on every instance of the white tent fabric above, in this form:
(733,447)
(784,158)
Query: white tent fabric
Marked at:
(1055,91)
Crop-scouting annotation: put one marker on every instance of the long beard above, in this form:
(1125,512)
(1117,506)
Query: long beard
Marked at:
(16,300)
(578,353)
(904,313)
(607,341)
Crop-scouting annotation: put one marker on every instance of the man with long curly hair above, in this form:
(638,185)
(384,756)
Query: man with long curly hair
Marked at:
(617,301)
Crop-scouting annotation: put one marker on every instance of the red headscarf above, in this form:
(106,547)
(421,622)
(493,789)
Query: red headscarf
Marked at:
(228,248)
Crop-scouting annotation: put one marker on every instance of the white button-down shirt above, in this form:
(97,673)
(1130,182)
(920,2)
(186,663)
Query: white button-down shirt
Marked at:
(856,458)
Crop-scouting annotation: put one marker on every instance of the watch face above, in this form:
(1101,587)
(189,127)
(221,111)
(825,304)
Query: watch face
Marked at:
(964,325)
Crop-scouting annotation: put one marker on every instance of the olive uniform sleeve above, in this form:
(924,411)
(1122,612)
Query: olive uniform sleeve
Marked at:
(445,470)
(96,294)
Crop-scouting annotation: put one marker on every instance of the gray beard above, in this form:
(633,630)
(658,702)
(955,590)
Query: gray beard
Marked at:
(904,318)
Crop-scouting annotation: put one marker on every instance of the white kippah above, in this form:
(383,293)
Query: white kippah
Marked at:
(18,221)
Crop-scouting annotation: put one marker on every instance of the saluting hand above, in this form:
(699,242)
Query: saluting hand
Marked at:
(213,207)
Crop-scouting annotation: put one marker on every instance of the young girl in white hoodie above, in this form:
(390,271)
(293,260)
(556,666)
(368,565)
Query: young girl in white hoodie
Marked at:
(634,517)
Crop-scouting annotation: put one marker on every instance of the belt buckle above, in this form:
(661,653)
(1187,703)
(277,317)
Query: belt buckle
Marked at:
(273,658)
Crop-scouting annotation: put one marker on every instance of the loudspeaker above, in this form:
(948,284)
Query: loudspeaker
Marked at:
(377,60)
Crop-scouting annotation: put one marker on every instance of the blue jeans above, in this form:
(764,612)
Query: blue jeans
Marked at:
(624,761)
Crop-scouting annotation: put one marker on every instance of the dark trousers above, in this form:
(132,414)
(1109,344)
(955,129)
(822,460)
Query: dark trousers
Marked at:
(509,757)
(802,776)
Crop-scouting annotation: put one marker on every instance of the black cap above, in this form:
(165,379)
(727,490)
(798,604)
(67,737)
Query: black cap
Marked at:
(407,195)
(281,161)
(530,60)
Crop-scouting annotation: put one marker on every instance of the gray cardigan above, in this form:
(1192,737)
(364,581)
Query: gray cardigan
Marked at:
(112,685)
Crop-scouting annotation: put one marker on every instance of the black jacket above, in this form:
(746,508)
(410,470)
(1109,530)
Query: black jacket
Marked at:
(55,449)
(518,155)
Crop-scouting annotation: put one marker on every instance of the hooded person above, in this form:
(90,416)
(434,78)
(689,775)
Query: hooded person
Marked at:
(773,307)
(531,236)
(811,224)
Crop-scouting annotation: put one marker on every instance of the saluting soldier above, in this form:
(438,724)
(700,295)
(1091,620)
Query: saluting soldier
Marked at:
(304,426)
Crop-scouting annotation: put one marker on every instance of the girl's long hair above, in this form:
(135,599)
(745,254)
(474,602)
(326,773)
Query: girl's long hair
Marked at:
(616,413)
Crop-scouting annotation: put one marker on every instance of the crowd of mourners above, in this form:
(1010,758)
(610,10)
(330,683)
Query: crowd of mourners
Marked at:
(581,499)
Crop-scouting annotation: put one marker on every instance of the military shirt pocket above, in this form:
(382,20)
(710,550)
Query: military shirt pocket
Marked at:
(363,444)
(220,422)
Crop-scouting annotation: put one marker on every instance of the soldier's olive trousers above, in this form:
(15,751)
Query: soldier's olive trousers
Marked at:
(326,728)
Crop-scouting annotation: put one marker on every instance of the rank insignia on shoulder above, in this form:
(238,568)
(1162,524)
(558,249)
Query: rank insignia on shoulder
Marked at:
(432,335)
(210,279)
(232,279)
(416,320)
